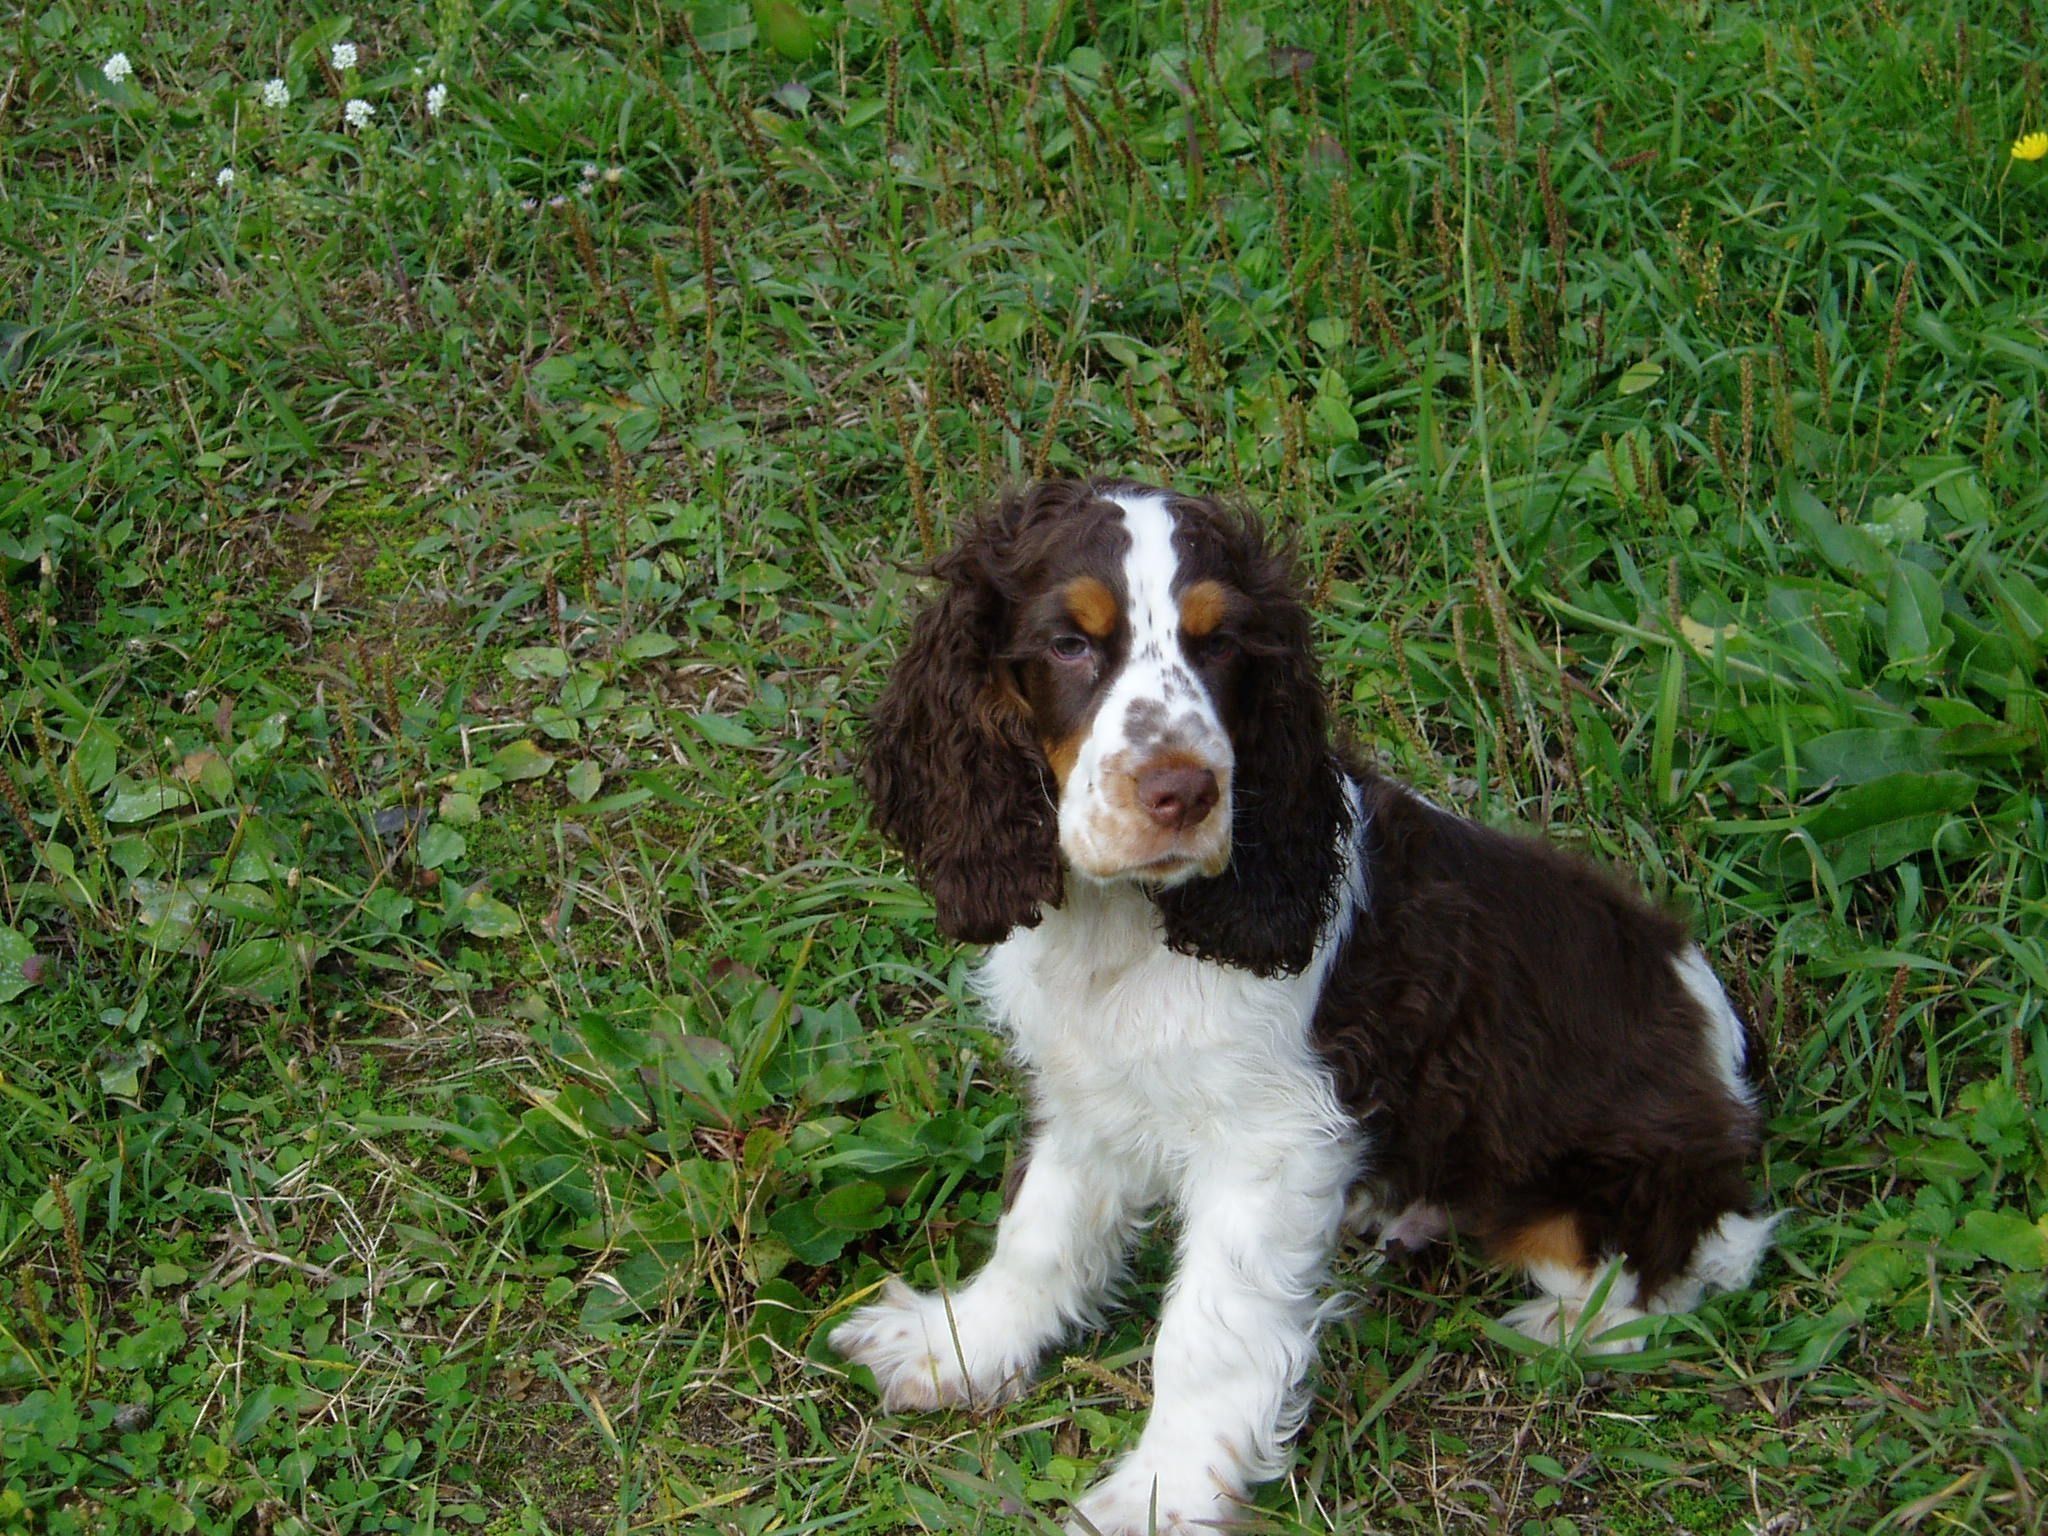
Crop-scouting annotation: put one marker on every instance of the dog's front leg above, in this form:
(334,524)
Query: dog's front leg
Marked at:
(1236,1339)
(1058,1249)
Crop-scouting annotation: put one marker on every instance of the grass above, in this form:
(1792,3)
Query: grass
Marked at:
(460,1043)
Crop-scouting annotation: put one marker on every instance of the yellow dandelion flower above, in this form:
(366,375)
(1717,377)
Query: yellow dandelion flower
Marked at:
(2030,146)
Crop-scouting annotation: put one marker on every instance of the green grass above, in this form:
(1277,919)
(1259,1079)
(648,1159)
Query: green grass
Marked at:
(460,1043)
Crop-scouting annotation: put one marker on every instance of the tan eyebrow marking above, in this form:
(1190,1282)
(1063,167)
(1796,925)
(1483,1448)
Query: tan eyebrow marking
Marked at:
(1092,606)
(1202,607)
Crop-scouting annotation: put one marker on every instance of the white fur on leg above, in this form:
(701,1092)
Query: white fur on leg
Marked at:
(1724,1260)
(1142,1496)
(1561,1314)
(1237,1336)
(1413,1228)
(1058,1250)
(1200,1080)
(921,1356)
(1727,1256)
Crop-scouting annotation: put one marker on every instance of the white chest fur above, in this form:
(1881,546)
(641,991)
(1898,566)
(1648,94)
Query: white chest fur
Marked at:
(1161,1058)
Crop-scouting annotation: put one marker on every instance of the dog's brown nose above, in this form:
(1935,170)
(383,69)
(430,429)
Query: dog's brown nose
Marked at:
(1177,797)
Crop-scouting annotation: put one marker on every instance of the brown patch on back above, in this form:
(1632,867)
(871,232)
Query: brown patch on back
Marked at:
(1202,608)
(1092,606)
(1546,1240)
(1514,1022)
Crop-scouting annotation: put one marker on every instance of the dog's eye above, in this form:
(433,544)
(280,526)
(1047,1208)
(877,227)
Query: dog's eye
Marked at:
(1072,647)
(1211,649)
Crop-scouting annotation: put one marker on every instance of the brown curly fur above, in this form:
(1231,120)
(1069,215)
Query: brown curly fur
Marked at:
(952,765)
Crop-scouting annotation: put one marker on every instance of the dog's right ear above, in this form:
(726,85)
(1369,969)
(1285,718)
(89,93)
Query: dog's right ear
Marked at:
(956,775)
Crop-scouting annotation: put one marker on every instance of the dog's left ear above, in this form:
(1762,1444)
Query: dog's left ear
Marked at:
(956,777)
(1267,909)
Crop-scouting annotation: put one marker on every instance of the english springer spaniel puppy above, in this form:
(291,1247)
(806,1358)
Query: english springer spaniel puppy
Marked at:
(1250,979)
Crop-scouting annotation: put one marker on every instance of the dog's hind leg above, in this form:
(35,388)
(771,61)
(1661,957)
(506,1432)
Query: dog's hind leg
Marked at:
(1585,1296)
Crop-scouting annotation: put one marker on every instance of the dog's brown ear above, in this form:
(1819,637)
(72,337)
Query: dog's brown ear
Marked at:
(1268,908)
(957,778)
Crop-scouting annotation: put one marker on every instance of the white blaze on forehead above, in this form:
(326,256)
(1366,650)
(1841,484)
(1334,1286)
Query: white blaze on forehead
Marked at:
(1149,566)
(1157,678)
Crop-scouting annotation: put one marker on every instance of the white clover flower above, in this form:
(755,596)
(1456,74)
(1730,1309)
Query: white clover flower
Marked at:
(276,93)
(117,68)
(358,113)
(589,172)
(437,98)
(344,55)
(226,179)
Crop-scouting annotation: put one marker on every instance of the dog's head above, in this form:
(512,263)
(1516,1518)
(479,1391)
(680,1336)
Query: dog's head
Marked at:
(1115,683)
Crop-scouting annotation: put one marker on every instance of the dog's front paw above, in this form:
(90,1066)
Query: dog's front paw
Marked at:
(926,1355)
(1145,1494)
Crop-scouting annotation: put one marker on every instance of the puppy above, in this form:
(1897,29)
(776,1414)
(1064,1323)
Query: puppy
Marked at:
(1250,979)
